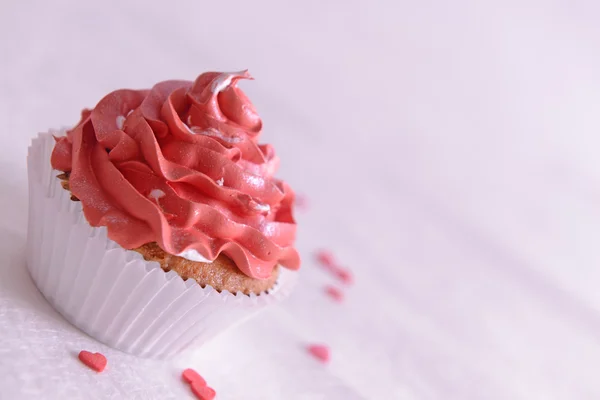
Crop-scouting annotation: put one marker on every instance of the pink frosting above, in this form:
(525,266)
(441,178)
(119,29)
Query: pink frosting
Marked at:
(180,165)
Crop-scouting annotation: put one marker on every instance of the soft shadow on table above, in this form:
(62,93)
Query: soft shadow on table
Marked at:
(16,286)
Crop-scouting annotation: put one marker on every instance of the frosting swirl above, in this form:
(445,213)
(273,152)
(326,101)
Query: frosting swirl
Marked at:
(180,165)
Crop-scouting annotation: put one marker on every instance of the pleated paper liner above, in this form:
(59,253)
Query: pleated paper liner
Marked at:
(113,294)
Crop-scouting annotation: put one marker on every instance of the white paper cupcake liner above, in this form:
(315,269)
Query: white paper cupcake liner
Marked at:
(113,294)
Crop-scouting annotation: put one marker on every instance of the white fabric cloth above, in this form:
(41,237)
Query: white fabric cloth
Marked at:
(449,153)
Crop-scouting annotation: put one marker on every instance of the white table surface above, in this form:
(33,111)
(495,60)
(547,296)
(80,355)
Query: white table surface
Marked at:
(449,151)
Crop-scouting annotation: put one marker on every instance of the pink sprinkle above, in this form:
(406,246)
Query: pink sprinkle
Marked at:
(335,293)
(326,258)
(328,262)
(95,361)
(321,352)
(203,392)
(191,376)
(344,275)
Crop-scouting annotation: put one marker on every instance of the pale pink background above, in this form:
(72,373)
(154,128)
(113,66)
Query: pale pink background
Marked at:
(450,154)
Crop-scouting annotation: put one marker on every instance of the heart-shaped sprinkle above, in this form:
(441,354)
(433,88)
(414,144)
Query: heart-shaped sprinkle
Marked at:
(191,376)
(203,392)
(326,258)
(320,351)
(328,262)
(344,275)
(335,293)
(95,361)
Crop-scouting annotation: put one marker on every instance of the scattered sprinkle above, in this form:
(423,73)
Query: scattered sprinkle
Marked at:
(191,376)
(220,181)
(203,392)
(120,121)
(344,275)
(319,351)
(335,293)
(198,385)
(95,361)
(325,257)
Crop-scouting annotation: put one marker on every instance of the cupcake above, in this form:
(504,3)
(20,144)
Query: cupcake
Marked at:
(157,221)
